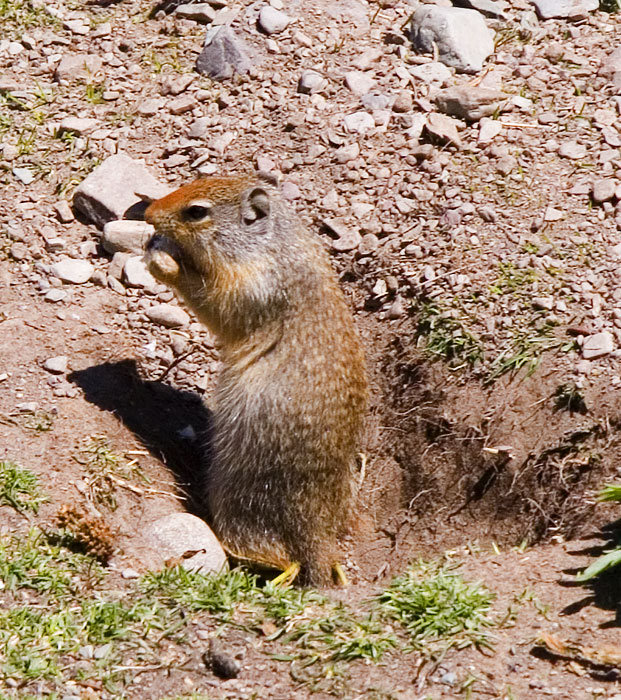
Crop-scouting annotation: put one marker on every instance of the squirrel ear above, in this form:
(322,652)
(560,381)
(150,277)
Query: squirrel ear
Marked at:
(255,205)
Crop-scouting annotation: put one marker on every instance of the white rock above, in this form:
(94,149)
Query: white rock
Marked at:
(136,274)
(199,12)
(126,236)
(24,175)
(359,83)
(462,37)
(55,295)
(572,150)
(604,190)
(358,122)
(598,345)
(63,211)
(176,534)
(432,72)
(73,271)
(273,21)
(78,125)
(311,82)
(552,214)
(78,67)
(344,154)
(573,9)
(56,365)
(470,103)
(168,315)
(488,130)
(116,187)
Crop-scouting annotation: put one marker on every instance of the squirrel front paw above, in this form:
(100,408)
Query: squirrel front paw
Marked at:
(160,260)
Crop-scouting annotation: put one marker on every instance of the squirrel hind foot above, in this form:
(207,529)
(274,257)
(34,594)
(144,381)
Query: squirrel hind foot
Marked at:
(288,576)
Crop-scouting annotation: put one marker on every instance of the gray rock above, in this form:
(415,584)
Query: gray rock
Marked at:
(604,190)
(571,9)
(81,66)
(462,37)
(358,82)
(598,345)
(126,236)
(432,72)
(470,103)
(198,12)
(311,82)
(223,54)
(135,274)
(396,310)
(168,315)
(175,535)
(56,365)
(73,271)
(374,102)
(112,190)
(273,21)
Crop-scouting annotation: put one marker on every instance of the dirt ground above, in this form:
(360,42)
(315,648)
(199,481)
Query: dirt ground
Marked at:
(474,323)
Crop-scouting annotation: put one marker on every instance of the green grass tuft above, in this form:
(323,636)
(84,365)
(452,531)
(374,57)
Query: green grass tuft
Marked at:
(447,338)
(438,605)
(19,488)
(215,593)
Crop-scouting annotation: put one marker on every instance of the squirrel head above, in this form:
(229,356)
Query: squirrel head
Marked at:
(231,246)
(219,217)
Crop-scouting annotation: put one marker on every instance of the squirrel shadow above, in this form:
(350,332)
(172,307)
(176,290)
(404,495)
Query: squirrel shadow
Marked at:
(173,425)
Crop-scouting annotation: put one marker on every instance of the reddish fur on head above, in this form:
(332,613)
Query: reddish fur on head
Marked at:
(216,189)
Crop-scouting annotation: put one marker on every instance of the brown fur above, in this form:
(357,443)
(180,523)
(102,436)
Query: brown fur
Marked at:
(292,394)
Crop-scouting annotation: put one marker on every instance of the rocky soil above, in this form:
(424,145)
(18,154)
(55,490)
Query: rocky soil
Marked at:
(463,169)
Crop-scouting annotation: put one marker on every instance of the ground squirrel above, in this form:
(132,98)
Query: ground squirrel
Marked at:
(292,392)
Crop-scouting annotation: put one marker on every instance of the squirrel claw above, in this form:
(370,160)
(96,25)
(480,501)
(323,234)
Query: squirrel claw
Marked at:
(339,575)
(288,576)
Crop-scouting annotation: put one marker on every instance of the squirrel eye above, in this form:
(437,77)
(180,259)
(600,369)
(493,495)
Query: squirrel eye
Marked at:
(195,212)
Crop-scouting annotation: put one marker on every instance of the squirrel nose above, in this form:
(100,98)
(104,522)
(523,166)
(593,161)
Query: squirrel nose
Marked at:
(154,243)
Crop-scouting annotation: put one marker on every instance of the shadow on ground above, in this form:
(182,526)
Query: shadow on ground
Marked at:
(172,424)
(602,591)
